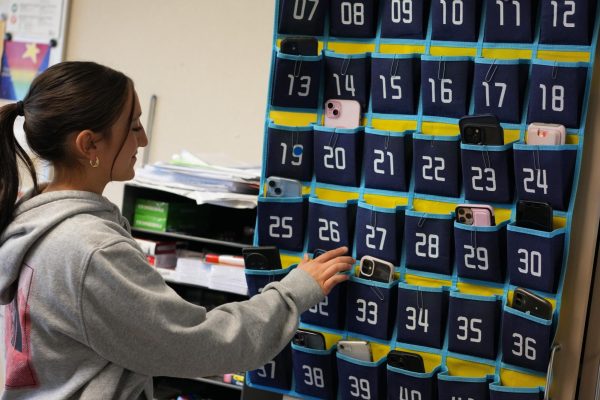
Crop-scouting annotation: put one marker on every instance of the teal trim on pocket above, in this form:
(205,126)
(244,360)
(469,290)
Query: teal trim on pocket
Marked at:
(281,199)
(530,147)
(477,147)
(473,228)
(345,131)
(436,370)
(368,206)
(345,204)
(420,136)
(361,362)
(514,228)
(306,128)
(330,53)
(465,296)
(314,351)
(530,317)
(379,132)
(369,282)
(413,213)
(285,56)
(395,56)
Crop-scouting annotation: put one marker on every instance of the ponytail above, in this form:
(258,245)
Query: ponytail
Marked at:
(10,153)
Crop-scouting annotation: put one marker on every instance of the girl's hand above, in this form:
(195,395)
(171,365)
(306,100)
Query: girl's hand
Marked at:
(325,268)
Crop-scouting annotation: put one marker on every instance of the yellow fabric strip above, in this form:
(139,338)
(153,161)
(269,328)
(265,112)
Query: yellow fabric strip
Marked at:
(351,48)
(418,280)
(385,201)
(478,290)
(439,129)
(457,367)
(288,118)
(511,135)
(506,54)
(572,139)
(401,48)
(501,215)
(433,207)
(565,56)
(520,379)
(396,125)
(559,222)
(289,260)
(453,51)
(335,195)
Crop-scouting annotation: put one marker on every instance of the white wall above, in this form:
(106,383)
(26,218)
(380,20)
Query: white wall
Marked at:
(207,61)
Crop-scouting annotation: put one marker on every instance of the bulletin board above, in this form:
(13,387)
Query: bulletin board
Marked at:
(389,188)
(34,39)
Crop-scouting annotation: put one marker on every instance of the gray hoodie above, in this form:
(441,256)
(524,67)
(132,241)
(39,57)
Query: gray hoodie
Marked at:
(87,318)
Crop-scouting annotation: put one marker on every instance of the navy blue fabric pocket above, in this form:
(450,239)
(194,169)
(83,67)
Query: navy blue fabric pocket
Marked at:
(534,257)
(556,93)
(545,173)
(509,21)
(437,165)
(277,373)
(290,152)
(379,232)
(353,18)
(404,384)
(526,340)
(499,392)
(347,77)
(480,251)
(455,20)
(330,312)
(428,242)
(371,307)
(404,19)
(394,83)
(473,325)
(446,86)
(566,22)
(281,222)
(296,81)
(337,155)
(360,379)
(302,17)
(488,173)
(455,387)
(421,318)
(386,160)
(258,279)
(330,225)
(499,88)
(315,372)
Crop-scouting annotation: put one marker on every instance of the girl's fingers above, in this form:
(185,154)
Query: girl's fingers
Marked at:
(331,254)
(333,281)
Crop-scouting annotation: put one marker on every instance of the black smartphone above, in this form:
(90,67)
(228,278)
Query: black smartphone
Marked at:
(530,303)
(376,270)
(534,215)
(405,360)
(483,129)
(265,257)
(300,46)
(309,339)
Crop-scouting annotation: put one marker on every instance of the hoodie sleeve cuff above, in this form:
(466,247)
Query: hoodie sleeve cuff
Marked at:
(303,288)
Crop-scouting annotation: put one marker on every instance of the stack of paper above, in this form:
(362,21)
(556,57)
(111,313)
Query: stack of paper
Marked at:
(228,278)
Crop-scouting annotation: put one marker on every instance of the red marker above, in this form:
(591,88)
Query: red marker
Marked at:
(224,259)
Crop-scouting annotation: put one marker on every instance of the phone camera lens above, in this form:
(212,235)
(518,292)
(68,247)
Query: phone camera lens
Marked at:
(277,191)
(462,220)
(368,266)
(330,105)
(461,211)
(272,183)
(336,112)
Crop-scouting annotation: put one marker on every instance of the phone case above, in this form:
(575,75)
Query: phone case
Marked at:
(309,339)
(283,187)
(529,303)
(342,113)
(407,361)
(266,257)
(376,270)
(301,46)
(359,350)
(481,129)
(475,214)
(545,134)
(534,215)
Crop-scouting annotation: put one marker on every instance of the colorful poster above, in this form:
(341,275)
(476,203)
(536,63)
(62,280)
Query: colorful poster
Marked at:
(21,63)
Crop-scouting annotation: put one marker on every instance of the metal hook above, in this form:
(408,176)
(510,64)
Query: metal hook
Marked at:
(536,159)
(394,67)
(334,138)
(378,293)
(420,301)
(474,239)
(555,70)
(387,140)
(345,65)
(550,371)
(487,162)
(493,68)
(422,220)
(297,67)
(443,70)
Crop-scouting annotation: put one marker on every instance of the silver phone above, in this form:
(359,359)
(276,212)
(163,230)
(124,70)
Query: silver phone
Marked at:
(283,187)
(358,349)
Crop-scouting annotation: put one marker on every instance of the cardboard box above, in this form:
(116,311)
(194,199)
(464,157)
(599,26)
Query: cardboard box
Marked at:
(159,254)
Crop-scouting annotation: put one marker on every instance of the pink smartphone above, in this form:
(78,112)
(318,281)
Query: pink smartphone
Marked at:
(545,134)
(342,113)
(475,214)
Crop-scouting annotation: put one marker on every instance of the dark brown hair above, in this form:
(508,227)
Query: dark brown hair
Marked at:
(66,98)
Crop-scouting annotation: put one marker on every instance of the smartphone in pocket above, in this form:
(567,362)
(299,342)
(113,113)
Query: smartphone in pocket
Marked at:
(475,214)
(283,187)
(300,46)
(545,134)
(405,360)
(530,303)
(309,339)
(357,349)
(534,215)
(484,129)
(376,270)
(342,113)
(263,257)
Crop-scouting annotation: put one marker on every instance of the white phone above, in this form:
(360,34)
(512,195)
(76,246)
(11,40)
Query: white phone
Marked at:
(545,134)
(283,187)
(342,113)
(358,349)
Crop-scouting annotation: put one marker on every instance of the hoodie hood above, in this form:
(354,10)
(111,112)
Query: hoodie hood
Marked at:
(34,217)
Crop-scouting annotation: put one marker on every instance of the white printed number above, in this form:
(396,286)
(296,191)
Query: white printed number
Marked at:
(300,9)
(569,13)
(469,329)
(500,85)
(367,311)
(348,84)
(445,91)
(380,159)
(558,97)
(517,11)
(321,307)
(280,227)
(297,151)
(416,319)
(439,167)
(353,14)
(402,11)
(262,372)
(457,11)
(337,155)
(524,346)
(482,257)
(405,394)
(303,81)
(328,231)
(394,83)
(360,388)
(430,243)
(538,176)
(478,175)
(531,262)
(372,234)
(313,376)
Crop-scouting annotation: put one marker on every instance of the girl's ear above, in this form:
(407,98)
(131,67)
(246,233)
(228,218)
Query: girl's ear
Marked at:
(86,144)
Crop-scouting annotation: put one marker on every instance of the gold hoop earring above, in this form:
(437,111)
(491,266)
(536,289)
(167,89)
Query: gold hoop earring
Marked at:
(95,163)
